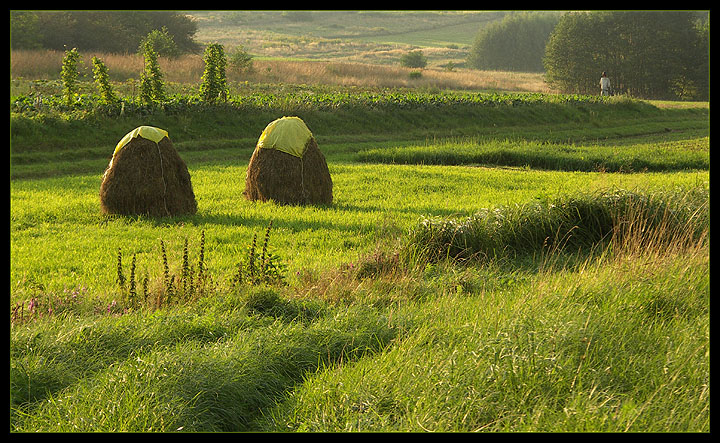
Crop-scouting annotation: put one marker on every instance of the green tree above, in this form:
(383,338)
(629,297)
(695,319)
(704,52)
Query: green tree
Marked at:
(161,42)
(414,59)
(517,43)
(240,60)
(24,30)
(646,54)
(571,53)
(107,31)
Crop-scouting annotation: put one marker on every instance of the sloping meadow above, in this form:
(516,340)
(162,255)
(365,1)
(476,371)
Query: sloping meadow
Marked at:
(462,294)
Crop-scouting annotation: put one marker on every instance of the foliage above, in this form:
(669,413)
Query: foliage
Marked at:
(214,82)
(413,59)
(316,99)
(517,43)
(262,269)
(240,60)
(152,88)
(161,42)
(69,75)
(24,30)
(106,31)
(645,54)
(100,74)
(171,289)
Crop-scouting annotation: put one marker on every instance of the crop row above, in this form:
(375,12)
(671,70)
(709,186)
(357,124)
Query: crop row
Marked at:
(306,100)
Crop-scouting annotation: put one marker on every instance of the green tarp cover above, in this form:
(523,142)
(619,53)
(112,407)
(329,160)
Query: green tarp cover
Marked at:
(287,134)
(147,132)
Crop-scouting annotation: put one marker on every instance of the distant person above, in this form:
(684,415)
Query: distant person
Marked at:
(604,85)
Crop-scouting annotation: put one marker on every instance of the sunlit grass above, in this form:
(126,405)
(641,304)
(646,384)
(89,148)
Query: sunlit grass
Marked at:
(607,337)
(125,70)
(675,155)
(590,349)
(59,238)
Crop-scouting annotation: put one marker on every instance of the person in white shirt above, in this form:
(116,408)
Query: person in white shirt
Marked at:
(604,84)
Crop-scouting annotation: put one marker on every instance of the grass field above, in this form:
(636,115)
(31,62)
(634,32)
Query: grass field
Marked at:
(380,322)
(376,37)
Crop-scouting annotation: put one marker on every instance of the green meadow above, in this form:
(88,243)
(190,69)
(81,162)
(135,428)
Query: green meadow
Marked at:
(367,329)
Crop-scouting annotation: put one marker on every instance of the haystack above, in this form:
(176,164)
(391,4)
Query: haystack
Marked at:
(146,176)
(288,167)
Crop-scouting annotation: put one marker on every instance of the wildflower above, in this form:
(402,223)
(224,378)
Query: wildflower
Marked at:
(32,305)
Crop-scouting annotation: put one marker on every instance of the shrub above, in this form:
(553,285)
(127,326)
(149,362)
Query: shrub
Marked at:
(240,60)
(414,59)
(161,42)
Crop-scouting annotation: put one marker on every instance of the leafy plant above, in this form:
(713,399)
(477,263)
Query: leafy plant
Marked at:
(240,60)
(263,269)
(414,59)
(170,290)
(161,42)
(69,75)
(214,82)
(152,88)
(100,74)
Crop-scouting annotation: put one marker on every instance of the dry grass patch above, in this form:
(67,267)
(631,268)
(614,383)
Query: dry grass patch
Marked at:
(188,69)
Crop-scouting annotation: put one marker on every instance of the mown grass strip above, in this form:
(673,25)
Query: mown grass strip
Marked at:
(667,156)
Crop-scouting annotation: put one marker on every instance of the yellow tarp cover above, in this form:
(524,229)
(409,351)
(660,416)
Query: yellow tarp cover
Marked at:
(147,132)
(287,134)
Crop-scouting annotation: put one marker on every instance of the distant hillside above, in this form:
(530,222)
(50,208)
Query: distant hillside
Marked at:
(358,36)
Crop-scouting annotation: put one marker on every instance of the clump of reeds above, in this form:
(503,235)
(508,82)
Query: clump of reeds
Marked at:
(618,218)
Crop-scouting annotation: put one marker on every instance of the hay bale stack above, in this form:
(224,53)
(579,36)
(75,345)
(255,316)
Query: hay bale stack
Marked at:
(146,176)
(288,167)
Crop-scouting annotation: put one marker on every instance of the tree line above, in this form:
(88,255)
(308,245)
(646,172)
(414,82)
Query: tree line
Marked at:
(515,43)
(646,54)
(104,31)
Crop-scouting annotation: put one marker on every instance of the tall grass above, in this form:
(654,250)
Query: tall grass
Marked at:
(614,344)
(592,349)
(188,69)
(667,219)
(617,343)
(211,368)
